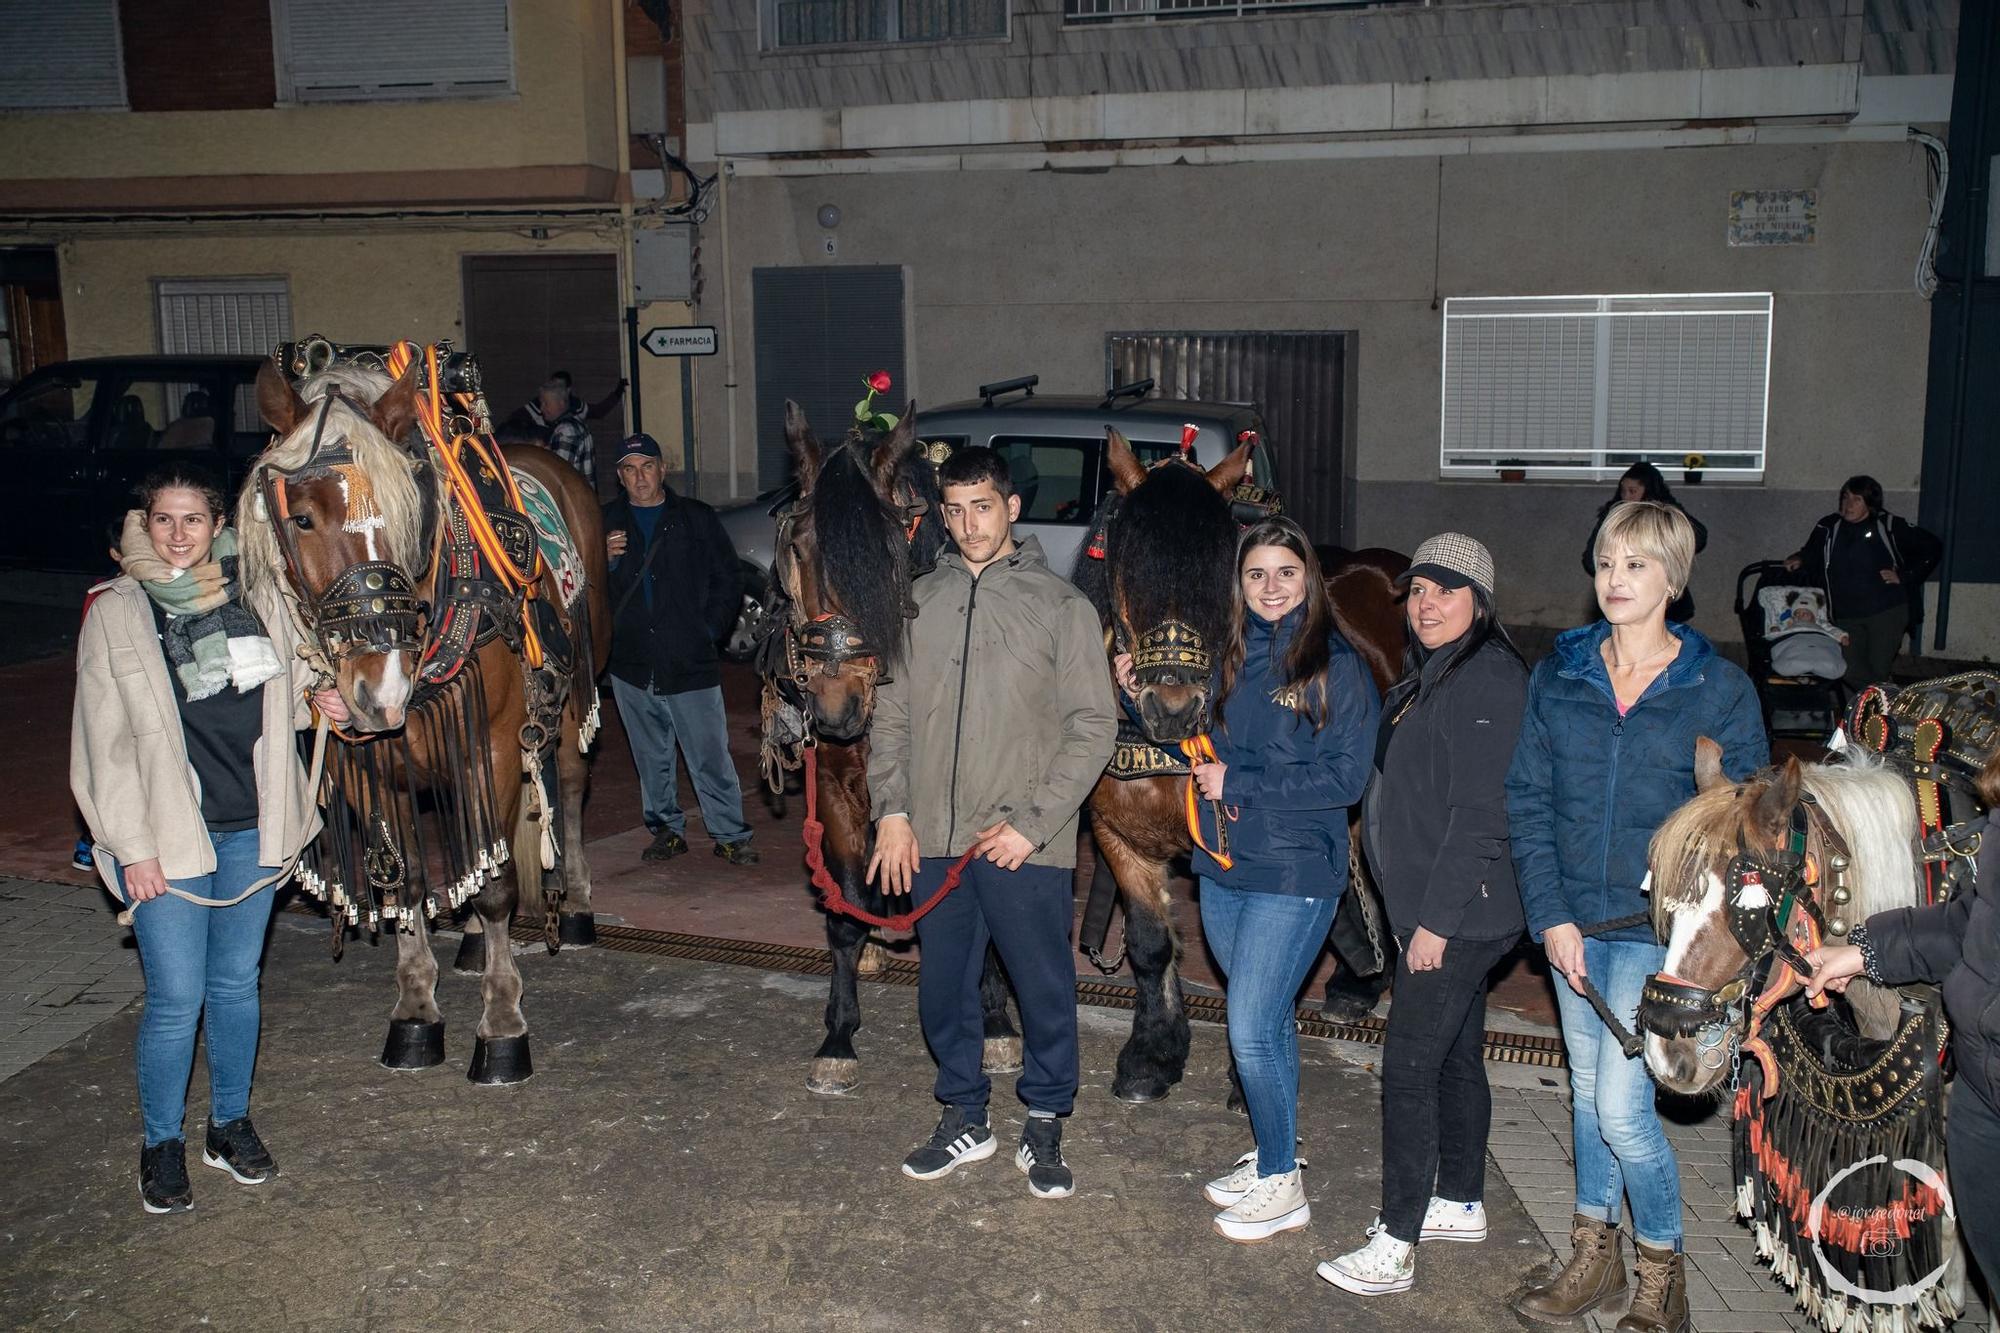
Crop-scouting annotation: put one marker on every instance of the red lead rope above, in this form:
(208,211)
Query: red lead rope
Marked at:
(830,896)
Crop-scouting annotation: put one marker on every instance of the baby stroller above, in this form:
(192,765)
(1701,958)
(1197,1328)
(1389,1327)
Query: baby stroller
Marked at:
(1794,656)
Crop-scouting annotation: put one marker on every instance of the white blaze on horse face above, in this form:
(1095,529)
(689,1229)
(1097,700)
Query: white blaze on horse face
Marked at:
(393,690)
(1688,921)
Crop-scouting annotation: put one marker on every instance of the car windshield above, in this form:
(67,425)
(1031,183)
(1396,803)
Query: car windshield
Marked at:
(52,413)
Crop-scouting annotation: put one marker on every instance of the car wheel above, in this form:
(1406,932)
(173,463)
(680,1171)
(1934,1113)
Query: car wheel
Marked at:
(754,619)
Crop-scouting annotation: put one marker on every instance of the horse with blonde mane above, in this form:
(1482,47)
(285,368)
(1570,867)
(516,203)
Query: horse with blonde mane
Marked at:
(1838,1107)
(424,571)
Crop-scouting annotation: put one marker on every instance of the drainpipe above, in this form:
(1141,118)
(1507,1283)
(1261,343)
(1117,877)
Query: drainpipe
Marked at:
(722,174)
(627,286)
(1980,71)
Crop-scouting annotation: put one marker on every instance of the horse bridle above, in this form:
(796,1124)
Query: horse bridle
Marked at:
(825,643)
(371,606)
(1767,897)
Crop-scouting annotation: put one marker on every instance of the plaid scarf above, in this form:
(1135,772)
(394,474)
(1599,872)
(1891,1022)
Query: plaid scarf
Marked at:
(212,639)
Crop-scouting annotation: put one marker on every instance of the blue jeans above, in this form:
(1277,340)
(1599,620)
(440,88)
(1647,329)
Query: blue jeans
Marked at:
(1266,945)
(1026,914)
(1621,1148)
(202,963)
(695,719)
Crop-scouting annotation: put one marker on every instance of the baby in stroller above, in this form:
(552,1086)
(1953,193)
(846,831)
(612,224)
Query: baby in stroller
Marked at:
(1802,641)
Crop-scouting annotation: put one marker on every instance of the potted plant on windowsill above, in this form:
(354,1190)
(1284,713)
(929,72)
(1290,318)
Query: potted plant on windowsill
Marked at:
(1692,465)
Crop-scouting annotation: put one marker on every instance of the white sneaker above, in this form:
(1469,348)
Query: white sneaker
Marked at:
(1382,1266)
(1227,1191)
(1446,1220)
(1274,1204)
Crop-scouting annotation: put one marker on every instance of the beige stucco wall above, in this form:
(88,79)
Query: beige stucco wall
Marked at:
(1018,272)
(363,287)
(561,114)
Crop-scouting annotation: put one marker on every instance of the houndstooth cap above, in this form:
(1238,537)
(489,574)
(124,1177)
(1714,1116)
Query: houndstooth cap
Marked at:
(1453,560)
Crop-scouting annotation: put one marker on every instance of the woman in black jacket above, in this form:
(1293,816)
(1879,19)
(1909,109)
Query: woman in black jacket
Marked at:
(1434,828)
(1873,566)
(1956,943)
(1642,481)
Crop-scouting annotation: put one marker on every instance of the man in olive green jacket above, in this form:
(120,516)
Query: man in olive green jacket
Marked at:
(989,740)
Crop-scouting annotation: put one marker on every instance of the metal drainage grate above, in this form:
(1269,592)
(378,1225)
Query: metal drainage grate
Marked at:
(1514,1048)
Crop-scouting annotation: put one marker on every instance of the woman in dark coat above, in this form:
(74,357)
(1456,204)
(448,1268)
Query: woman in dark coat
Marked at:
(1956,944)
(1873,566)
(1434,827)
(1642,481)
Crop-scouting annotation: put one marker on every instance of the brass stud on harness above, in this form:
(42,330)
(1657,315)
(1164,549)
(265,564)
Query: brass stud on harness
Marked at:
(374,582)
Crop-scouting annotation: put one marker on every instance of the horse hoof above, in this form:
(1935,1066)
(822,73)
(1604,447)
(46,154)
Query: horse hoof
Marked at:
(471,960)
(1002,1056)
(873,959)
(834,1078)
(1236,1104)
(1141,1091)
(576,930)
(413,1044)
(498,1060)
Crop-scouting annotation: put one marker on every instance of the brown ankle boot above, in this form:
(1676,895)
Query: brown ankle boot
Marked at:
(1661,1304)
(1594,1276)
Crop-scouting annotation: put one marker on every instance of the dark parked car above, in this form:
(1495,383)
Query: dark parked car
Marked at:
(78,435)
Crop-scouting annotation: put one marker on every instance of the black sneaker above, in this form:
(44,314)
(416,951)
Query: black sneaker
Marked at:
(951,1143)
(666,845)
(163,1178)
(1040,1156)
(739,853)
(235,1148)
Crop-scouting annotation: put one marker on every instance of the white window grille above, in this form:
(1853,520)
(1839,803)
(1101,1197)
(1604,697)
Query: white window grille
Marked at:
(390,50)
(225,317)
(1077,12)
(61,56)
(795,23)
(1585,386)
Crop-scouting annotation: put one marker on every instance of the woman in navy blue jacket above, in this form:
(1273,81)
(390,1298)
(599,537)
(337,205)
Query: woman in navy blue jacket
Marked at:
(1606,753)
(1294,727)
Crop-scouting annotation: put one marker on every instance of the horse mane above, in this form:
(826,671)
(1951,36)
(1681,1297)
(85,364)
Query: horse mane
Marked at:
(1171,555)
(1092,573)
(387,466)
(862,570)
(1861,796)
(1876,813)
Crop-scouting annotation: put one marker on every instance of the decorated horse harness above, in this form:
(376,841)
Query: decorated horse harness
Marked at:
(486,557)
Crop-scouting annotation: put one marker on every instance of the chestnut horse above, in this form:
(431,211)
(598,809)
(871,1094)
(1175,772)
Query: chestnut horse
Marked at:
(1165,590)
(865,524)
(343,519)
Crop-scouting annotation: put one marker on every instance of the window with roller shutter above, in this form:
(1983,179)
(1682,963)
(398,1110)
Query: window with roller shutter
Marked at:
(1585,386)
(390,50)
(224,317)
(62,57)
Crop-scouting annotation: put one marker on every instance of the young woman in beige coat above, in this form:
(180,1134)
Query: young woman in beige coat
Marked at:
(183,761)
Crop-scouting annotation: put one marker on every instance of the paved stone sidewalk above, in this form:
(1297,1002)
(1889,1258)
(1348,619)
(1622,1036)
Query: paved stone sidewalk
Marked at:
(1729,1290)
(65,967)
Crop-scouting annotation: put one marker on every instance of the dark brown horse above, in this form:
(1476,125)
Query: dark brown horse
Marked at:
(1166,576)
(348,524)
(865,524)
